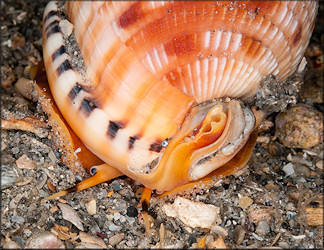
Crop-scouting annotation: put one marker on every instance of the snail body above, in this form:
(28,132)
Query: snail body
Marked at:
(151,87)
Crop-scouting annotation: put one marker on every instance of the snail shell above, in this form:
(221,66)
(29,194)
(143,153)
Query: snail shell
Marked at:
(137,81)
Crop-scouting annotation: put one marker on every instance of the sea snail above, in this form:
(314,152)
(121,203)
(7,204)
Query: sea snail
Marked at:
(155,89)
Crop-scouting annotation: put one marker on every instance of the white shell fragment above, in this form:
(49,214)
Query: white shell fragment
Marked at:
(193,214)
(86,238)
(71,215)
(25,162)
(91,206)
(45,240)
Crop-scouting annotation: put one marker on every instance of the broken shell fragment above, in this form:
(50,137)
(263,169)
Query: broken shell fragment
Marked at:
(193,214)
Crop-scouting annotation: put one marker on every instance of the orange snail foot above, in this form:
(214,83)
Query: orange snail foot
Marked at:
(145,200)
(101,173)
(235,164)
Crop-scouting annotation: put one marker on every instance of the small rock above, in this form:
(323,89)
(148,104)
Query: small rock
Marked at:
(9,244)
(91,206)
(114,240)
(300,127)
(122,219)
(302,170)
(25,87)
(116,186)
(319,164)
(193,214)
(17,219)
(300,179)
(132,211)
(263,139)
(239,234)
(262,228)
(290,207)
(271,186)
(7,76)
(18,41)
(9,177)
(25,162)
(284,245)
(288,169)
(116,216)
(15,150)
(256,214)
(219,230)
(87,238)
(45,240)
(245,202)
(113,227)
(218,244)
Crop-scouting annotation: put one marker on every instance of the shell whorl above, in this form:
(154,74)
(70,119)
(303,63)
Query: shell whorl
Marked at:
(205,49)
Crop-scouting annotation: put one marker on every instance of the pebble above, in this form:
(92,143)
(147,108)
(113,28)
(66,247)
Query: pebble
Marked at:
(15,150)
(302,170)
(114,240)
(9,244)
(96,241)
(262,228)
(116,216)
(288,169)
(132,211)
(193,214)
(113,227)
(300,179)
(290,207)
(7,76)
(25,162)
(9,177)
(244,202)
(116,186)
(219,230)
(271,186)
(26,89)
(319,164)
(122,219)
(284,245)
(300,127)
(239,234)
(257,237)
(44,240)
(17,219)
(91,206)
